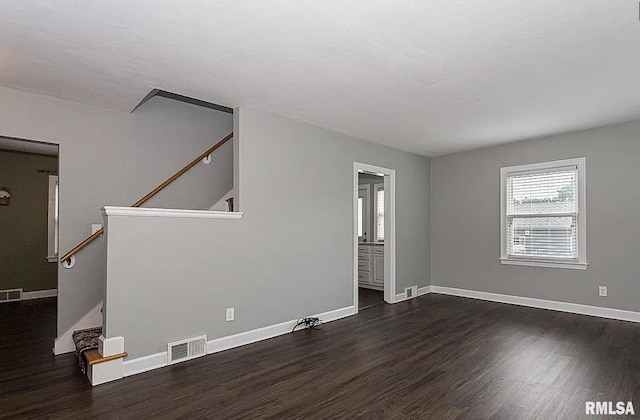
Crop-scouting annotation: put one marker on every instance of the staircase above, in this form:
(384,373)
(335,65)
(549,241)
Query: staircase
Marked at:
(101,358)
(101,363)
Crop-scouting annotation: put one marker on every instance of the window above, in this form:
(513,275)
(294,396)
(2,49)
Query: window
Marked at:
(363,212)
(360,217)
(379,191)
(543,214)
(52,253)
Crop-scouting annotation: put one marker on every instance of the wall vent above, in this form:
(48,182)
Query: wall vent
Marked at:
(10,295)
(187,349)
(411,292)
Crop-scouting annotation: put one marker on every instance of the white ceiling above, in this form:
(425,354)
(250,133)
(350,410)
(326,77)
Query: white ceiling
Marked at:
(427,76)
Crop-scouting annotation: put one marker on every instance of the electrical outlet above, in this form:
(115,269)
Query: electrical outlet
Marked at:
(602,290)
(230,314)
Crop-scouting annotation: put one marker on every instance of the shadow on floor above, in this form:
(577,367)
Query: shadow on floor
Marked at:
(368,298)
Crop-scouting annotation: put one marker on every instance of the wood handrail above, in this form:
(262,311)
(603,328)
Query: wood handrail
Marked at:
(148,197)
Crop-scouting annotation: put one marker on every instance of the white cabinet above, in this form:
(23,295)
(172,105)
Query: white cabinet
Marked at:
(378,270)
(371,266)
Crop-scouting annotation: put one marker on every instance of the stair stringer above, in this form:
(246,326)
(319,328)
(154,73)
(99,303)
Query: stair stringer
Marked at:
(64,343)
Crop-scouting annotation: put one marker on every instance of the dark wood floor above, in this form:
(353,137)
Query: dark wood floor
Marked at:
(434,357)
(368,298)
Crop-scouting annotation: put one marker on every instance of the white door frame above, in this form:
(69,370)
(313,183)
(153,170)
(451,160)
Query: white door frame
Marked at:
(389,230)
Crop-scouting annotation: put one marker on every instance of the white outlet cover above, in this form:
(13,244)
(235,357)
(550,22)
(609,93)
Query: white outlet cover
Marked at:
(602,290)
(230,314)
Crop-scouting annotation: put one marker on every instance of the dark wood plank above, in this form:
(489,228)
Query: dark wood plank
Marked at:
(436,357)
(368,298)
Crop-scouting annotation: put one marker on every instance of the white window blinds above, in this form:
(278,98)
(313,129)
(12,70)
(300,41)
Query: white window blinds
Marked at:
(542,213)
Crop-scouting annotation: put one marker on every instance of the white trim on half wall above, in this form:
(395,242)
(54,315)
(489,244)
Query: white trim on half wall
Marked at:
(154,212)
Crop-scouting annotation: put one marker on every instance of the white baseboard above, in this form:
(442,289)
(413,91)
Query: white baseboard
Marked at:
(237,340)
(424,290)
(145,363)
(575,308)
(64,343)
(158,360)
(421,291)
(39,294)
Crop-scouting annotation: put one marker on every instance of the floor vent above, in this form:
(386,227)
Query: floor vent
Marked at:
(10,295)
(187,349)
(411,292)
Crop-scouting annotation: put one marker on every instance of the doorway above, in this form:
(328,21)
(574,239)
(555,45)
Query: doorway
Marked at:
(29,226)
(373,235)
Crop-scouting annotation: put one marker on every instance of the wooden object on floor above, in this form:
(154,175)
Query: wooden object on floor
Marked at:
(93,357)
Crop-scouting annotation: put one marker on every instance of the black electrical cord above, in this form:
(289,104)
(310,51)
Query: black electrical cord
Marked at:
(308,323)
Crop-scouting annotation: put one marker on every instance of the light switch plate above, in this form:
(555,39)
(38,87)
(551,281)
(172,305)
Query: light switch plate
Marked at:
(230,314)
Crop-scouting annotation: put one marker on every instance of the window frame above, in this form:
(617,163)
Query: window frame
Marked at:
(376,215)
(581,232)
(366,211)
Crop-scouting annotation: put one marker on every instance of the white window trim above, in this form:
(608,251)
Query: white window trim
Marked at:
(376,188)
(366,211)
(581,263)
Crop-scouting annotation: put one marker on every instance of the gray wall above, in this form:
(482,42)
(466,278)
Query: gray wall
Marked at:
(24,223)
(114,158)
(290,255)
(465,216)
(371,180)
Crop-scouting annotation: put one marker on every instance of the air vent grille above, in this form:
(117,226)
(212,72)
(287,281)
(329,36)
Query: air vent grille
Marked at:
(187,349)
(11,295)
(180,351)
(411,291)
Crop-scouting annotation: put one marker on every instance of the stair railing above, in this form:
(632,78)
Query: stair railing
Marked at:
(66,259)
